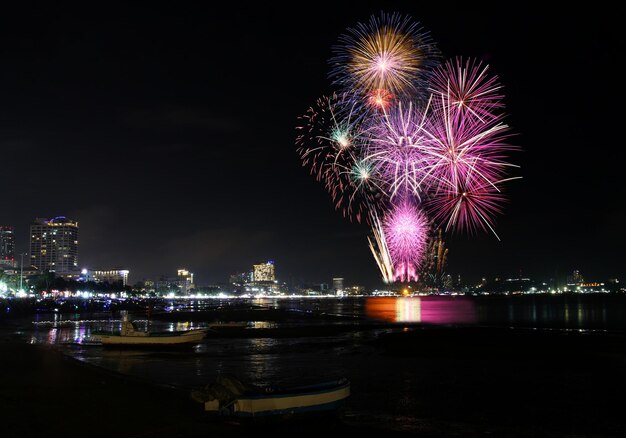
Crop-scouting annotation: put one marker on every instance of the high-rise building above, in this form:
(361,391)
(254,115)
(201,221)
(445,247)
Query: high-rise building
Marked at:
(7,246)
(185,280)
(54,245)
(264,271)
(338,284)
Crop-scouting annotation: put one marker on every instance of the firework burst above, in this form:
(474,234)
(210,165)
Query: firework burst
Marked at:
(464,166)
(467,89)
(406,230)
(380,99)
(469,206)
(395,150)
(407,139)
(389,53)
(329,143)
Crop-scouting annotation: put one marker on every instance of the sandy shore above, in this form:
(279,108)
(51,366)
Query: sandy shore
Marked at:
(44,393)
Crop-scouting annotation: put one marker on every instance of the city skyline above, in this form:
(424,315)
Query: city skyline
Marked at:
(432,275)
(172,141)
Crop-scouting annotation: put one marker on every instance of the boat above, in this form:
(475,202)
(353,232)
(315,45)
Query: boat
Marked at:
(228,397)
(129,336)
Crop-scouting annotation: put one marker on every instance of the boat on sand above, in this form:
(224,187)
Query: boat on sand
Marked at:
(229,397)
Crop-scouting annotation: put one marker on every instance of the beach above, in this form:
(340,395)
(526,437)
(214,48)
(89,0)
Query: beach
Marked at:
(407,378)
(44,392)
(464,382)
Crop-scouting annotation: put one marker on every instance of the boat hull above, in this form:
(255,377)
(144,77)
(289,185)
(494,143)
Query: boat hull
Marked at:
(313,399)
(188,338)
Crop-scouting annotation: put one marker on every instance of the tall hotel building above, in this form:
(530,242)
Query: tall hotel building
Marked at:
(54,245)
(264,272)
(7,247)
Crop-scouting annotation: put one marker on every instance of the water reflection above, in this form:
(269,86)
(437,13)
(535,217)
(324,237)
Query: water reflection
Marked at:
(427,310)
(585,312)
(52,336)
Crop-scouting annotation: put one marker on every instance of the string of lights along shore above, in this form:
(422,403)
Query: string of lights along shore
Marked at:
(408,142)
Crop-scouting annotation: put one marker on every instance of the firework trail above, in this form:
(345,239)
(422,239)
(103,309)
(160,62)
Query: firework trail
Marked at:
(380,250)
(408,140)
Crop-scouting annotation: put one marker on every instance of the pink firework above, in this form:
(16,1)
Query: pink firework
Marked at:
(406,232)
(466,158)
(470,206)
(395,150)
(467,89)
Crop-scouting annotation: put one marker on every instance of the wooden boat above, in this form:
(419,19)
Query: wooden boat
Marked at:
(229,397)
(131,337)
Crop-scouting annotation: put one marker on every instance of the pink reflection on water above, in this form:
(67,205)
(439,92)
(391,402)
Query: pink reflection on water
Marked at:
(429,310)
(52,336)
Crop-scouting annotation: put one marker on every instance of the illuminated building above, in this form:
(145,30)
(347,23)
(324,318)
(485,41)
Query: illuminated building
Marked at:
(181,284)
(312,289)
(264,272)
(354,290)
(54,245)
(338,285)
(111,276)
(185,280)
(7,247)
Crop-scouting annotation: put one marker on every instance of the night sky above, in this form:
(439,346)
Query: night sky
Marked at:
(168,133)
